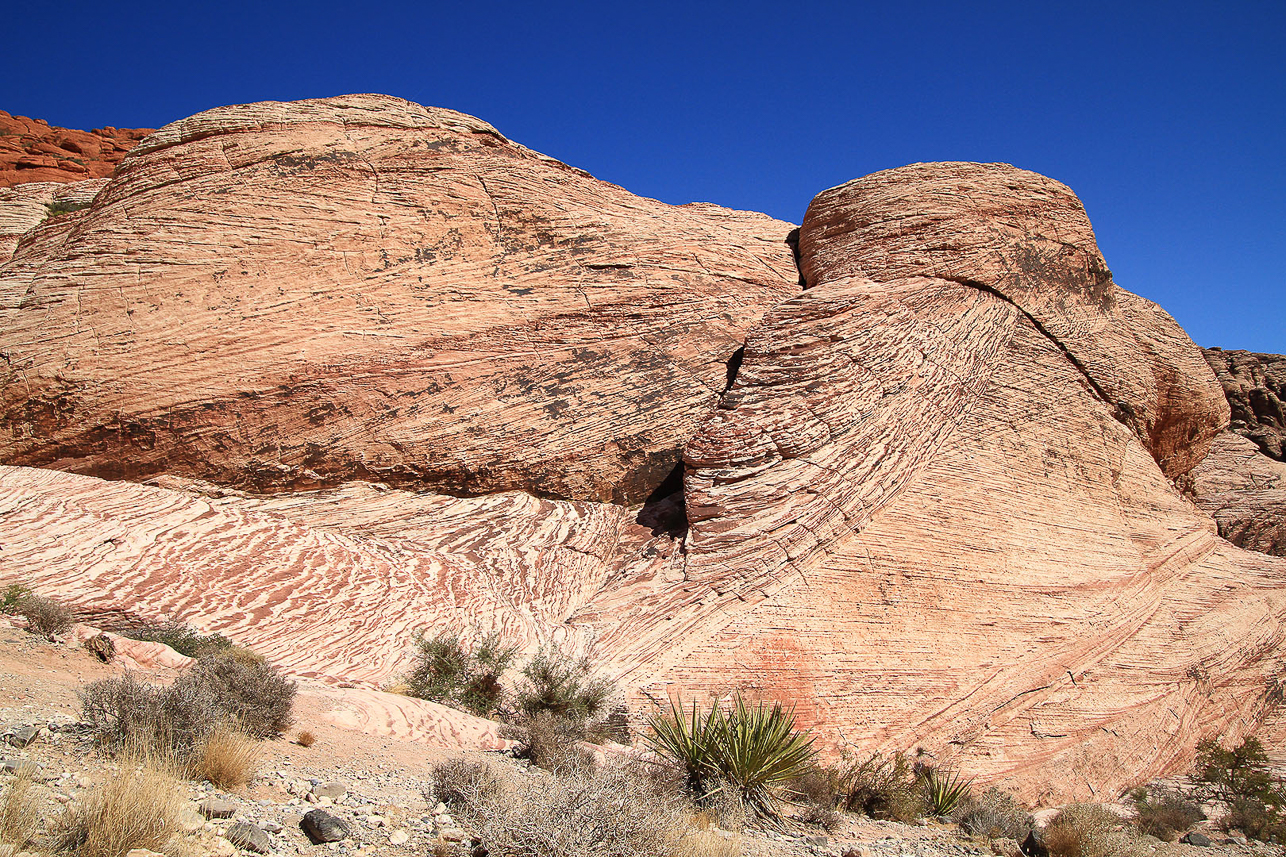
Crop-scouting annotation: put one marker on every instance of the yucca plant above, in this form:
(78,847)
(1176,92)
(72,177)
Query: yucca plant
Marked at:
(747,748)
(943,791)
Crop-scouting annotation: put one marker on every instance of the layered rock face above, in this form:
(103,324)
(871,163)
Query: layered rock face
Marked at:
(32,150)
(292,295)
(930,499)
(1255,385)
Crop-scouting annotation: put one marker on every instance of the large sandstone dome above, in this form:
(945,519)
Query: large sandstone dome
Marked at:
(384,371)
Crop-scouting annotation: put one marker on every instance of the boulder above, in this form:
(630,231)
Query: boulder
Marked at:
(320,826)
(248,836)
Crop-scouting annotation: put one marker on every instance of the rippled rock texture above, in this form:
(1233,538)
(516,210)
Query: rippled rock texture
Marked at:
(930,498)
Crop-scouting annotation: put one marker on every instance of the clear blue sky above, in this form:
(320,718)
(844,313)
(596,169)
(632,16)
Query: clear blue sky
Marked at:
(1167,118)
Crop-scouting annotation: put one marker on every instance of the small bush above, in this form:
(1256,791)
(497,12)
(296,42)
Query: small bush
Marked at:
(1163,813)
(44,616)
(553,743)
(882,788)
(180,637)
(59,207)
(305,739)
(562,686)
(460,785)
(1088,830)
(125,713)
(748,749)
(1256,819)
(253,692)
(11,595)
(227,758)
(613,812)
(20,810)
(137,807)
(1240,772)
(993,814)
(447,671)
(817,792)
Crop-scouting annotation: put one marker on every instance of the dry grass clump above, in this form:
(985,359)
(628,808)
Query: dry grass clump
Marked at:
(882,787)
(305,739)
(44,616)
(993,814)
(1089,830)
(137,807)
(227,758)
(708,843)
(817,792)
(612,812)
(552,742)
(20,809)
(1164,813)
(460,784)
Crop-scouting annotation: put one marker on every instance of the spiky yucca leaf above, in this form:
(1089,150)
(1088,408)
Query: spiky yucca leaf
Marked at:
(943,791)
(749,748)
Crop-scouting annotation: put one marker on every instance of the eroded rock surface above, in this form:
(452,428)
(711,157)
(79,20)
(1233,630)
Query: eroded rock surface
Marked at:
(25,206)
(1245,492)
(936,507)
(32,150)
(279,296)
(1255,385)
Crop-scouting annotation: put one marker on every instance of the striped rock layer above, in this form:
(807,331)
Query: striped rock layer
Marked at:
(386,372)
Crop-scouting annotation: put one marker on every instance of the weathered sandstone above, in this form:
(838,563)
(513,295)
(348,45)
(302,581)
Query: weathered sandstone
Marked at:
(1255,385)
(1245,492)
(284,296)
(25,206)
(935,507)
(32,150)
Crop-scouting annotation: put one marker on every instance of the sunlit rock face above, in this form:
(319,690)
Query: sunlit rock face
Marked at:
(933,497)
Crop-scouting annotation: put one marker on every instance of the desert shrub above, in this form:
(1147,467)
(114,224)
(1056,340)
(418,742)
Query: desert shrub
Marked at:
(611,812)
(11,595)
(1164,813)
(227,758)
(460,784)
(882,788)
(553,743)
(993,814)
(44,616)
(563,686)
(180,637)
(1239,772)
(1089,830)
(1256,819)
(126,713)
(816,790)
(59,207)
(254,693)
(447,671)
(137,807)
(943,791)
(19,809)
(749,749)
(305,739)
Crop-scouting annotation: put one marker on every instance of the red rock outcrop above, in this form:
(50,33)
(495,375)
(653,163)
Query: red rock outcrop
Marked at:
(295,295)
(936,506)
(32,150)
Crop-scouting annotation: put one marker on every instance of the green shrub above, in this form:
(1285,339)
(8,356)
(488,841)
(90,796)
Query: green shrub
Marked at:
(1240,772)
(1256,819)
(1164,813)
(11,595)
(747,749)
(446,671)
(180,637)
(44,616)
(882,788)
(563,686)
(993,814)
(59,207)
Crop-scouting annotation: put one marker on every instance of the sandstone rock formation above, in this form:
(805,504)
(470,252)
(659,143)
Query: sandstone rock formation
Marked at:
(931,499)
(363,288)
(25,206)
(1255,385)
(32,150)
(1245,492)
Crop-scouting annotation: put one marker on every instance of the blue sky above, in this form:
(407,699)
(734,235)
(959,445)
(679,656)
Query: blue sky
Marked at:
(1168,119)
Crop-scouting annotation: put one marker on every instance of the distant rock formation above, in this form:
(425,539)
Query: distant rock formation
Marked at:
(931,498)
(1255,385)
(32,150)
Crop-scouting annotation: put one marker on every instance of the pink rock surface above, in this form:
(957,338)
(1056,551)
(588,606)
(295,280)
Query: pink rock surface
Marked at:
(1245,492)
(936,507)
(276,296)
